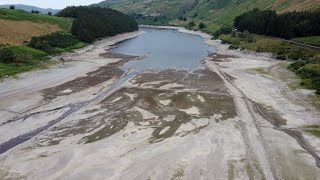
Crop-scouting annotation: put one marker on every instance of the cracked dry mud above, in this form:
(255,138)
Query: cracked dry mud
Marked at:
(217,122)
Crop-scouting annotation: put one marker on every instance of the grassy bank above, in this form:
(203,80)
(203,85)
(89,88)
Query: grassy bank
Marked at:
(305,61)
(35,55)
(314,40)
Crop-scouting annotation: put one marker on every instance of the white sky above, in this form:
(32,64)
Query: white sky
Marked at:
(54,4)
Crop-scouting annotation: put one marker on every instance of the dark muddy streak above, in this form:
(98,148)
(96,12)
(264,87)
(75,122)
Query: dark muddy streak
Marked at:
(219,57)
(118,109)
(4,147)
(93,78)
(271,114)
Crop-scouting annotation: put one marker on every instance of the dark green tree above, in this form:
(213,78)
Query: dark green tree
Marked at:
(202,25)
(6,55)
(92,23)
(191,24)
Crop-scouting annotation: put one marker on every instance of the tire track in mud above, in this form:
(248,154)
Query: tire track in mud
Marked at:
(277,126)
(272,171)
(293,133)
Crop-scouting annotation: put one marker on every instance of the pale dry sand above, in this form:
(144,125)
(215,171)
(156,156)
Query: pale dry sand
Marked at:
(278,152)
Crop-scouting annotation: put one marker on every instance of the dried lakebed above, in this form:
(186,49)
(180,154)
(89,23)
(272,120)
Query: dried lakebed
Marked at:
(161,105)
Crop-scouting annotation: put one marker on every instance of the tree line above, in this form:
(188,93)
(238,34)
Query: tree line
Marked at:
(92,23)
(287,25)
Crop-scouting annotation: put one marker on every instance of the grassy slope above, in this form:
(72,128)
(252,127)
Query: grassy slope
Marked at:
(314,40)
(20,15)
(217,11)
(36,58)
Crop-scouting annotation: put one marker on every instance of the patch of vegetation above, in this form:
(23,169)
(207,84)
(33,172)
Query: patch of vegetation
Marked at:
(191,24)
(306,60)
(20,15)
(17,59)
(315,132)
(222,30)
(312,40)
(202,25)
(286,25)
(312,126)
(150,20)
(260,70)
(49,42)
(92,23)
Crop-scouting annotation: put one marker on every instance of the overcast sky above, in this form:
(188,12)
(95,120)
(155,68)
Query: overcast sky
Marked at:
(55,4)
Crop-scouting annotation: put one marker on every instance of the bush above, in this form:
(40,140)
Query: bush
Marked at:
(223,30)
(12,7)
(6,55)
(50,41)
(281,57)
(191,24)
(201,25)
(41,44)
(50,13)
(233,46)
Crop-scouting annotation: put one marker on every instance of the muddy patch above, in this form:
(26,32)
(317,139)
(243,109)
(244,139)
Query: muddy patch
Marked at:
(91,79)
(112,55)
(219,57)
(270,114)
(170,103)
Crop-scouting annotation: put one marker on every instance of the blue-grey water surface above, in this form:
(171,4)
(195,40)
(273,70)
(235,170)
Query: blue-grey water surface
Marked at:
(164,49)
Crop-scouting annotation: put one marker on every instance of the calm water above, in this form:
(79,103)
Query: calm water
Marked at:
(164,49)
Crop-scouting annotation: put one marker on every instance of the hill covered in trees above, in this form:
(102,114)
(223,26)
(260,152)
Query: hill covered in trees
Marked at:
(218,11)
(92,23)
(286,25)
(28,39)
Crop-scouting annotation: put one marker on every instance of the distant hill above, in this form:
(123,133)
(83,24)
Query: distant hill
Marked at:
(219,11)
(30,8)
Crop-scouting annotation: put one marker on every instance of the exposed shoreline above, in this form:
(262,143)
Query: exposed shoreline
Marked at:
(237,117)
(76,58)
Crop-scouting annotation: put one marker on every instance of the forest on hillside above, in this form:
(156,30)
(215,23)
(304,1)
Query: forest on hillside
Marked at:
(92,23)
(287,25)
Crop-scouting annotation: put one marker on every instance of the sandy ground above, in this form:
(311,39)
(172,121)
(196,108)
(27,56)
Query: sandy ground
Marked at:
(88,119)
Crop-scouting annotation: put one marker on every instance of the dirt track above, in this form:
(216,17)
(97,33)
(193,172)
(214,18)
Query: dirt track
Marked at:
(227,121)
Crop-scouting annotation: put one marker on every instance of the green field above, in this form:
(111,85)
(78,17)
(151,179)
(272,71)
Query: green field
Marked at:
(20,15)
(313,40)
(33,59)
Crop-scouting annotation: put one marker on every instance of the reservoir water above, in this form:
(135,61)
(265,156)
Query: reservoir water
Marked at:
(164,49)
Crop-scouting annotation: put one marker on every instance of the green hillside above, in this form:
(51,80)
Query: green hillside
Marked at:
(27,40)
(218,11)
(21,15)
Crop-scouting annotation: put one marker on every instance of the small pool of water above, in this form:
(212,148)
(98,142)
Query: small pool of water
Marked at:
(164,49)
